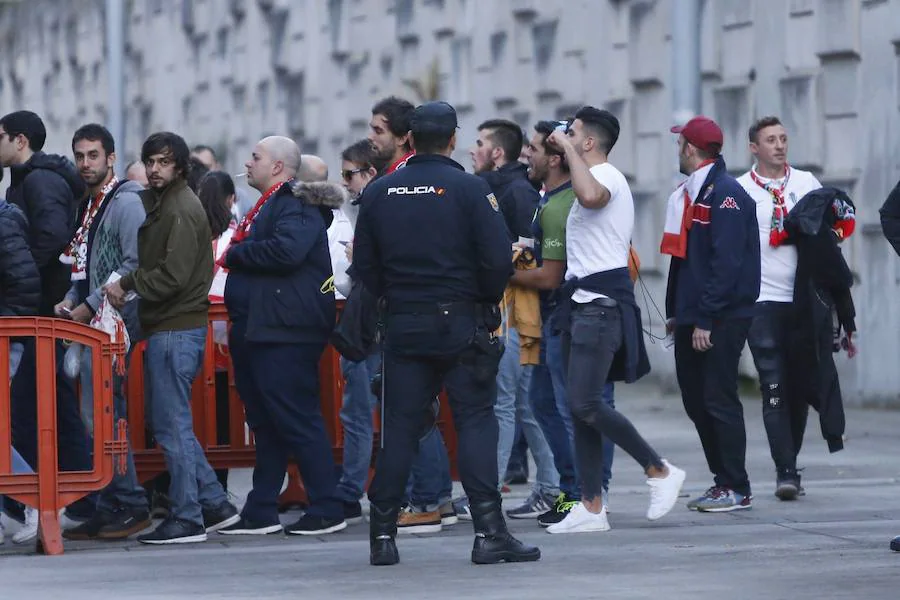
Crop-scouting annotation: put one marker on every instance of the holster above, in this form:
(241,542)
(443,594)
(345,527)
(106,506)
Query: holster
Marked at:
(483,355)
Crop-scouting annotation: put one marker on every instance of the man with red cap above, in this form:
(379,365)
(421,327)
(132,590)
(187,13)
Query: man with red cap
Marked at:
(711,233)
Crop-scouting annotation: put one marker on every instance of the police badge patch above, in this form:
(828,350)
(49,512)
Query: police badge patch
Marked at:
(493,200)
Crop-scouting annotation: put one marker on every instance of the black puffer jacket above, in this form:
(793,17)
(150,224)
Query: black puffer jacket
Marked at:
(20,284)
(48,190)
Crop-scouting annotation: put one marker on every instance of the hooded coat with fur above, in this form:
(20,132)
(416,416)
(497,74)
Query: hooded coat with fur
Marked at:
(277,274)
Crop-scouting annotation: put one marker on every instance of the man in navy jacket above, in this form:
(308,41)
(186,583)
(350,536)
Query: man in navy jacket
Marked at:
(279,265)
(710,302)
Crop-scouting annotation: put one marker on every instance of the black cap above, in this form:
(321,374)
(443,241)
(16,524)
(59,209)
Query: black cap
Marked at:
(433,117)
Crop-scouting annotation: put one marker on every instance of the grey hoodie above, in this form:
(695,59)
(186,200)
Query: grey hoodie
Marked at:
(114,247)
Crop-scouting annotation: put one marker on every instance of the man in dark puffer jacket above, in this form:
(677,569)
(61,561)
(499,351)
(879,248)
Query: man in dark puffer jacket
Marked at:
(20,283)
(47,190)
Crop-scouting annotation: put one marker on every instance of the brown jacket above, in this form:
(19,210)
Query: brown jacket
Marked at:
(175,266)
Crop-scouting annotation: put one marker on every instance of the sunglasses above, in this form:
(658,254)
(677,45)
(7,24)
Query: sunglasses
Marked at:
(348,174)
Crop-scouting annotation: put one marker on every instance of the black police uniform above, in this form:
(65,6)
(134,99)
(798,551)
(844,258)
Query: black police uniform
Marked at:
(431,243)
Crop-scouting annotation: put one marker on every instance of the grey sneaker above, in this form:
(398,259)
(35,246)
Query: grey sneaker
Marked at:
(461,506)
(724,500)
(534,506)
(692,504)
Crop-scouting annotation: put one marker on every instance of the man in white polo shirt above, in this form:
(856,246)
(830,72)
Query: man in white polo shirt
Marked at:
(776,187)
(600,321)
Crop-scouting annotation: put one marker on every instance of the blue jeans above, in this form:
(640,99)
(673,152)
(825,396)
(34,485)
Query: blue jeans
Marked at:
(551,409)
(124,491)
(172,360)
(356,418)
(19,465)
(429,483)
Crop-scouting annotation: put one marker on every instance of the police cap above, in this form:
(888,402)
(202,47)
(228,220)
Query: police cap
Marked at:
(433,117)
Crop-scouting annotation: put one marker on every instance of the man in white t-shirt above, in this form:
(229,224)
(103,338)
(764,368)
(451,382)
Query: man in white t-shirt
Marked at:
(600,320)
(776,188)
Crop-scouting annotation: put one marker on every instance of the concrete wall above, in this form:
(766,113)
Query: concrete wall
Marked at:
(227,72)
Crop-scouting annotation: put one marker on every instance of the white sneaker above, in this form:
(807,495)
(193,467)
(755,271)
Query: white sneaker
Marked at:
(28,531)
(581,520)
(664,492)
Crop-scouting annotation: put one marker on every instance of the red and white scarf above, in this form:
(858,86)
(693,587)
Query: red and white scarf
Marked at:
(680,215)
(77,251)
(243,229)
(777,235)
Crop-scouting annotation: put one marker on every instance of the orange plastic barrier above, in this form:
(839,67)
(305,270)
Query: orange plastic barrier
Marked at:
(238,452)
(50,490)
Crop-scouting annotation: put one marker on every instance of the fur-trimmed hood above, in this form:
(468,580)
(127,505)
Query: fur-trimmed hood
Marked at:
(321,193)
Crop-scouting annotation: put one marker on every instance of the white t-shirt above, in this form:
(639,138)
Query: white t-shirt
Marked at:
(340,231)
(778,264)
(597,239)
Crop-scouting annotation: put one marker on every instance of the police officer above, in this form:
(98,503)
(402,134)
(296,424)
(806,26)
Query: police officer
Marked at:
(430,241)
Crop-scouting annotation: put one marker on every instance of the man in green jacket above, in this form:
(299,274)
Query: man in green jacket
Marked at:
(175,270)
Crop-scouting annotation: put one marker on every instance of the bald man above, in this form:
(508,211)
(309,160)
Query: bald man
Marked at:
(312,169)
(278,265)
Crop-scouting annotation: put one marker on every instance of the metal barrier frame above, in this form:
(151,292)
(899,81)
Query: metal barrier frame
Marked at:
(50,490)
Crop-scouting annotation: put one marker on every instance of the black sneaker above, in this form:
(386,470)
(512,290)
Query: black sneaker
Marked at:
(221,516)
(125,523)
(558,512)
(895,544)
(174,531)
(787,485)
(353,512)
(90,529)
(159,505)
(245,526)
(310,525)
(82,511)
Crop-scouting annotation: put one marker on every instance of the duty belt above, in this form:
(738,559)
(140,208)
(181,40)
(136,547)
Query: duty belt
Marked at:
(462,309)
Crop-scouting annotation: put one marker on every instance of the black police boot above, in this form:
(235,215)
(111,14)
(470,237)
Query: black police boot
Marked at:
(382,531)
(493,542)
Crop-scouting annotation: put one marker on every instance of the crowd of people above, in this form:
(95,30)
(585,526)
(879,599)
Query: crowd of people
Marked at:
(512,288)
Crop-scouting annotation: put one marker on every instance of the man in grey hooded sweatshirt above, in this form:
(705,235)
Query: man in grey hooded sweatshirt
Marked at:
(105,243)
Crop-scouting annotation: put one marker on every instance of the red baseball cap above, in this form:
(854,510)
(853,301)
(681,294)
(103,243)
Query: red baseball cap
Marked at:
(702,132)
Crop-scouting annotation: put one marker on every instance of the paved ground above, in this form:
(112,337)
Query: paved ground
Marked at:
(832,544)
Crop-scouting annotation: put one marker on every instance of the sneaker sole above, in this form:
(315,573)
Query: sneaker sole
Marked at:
(23,540)
(528,515)
(449,521)
(787,493)
(580,530)
(430,528)
(258,531)
(190,539)
(124,533)
(492,558)
(723,509)
(333,529)
(222,524)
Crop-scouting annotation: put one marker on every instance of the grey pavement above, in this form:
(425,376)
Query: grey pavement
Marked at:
(831,544)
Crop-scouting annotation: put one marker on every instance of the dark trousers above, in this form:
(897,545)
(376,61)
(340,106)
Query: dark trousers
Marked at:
(279,386)
(410,385)
(594,336)
(74,447)
(709,390)
(784,413)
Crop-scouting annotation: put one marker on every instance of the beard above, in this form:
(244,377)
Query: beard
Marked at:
(94,178)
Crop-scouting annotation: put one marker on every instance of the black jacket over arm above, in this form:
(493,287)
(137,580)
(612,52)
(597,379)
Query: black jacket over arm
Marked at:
(821,292)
